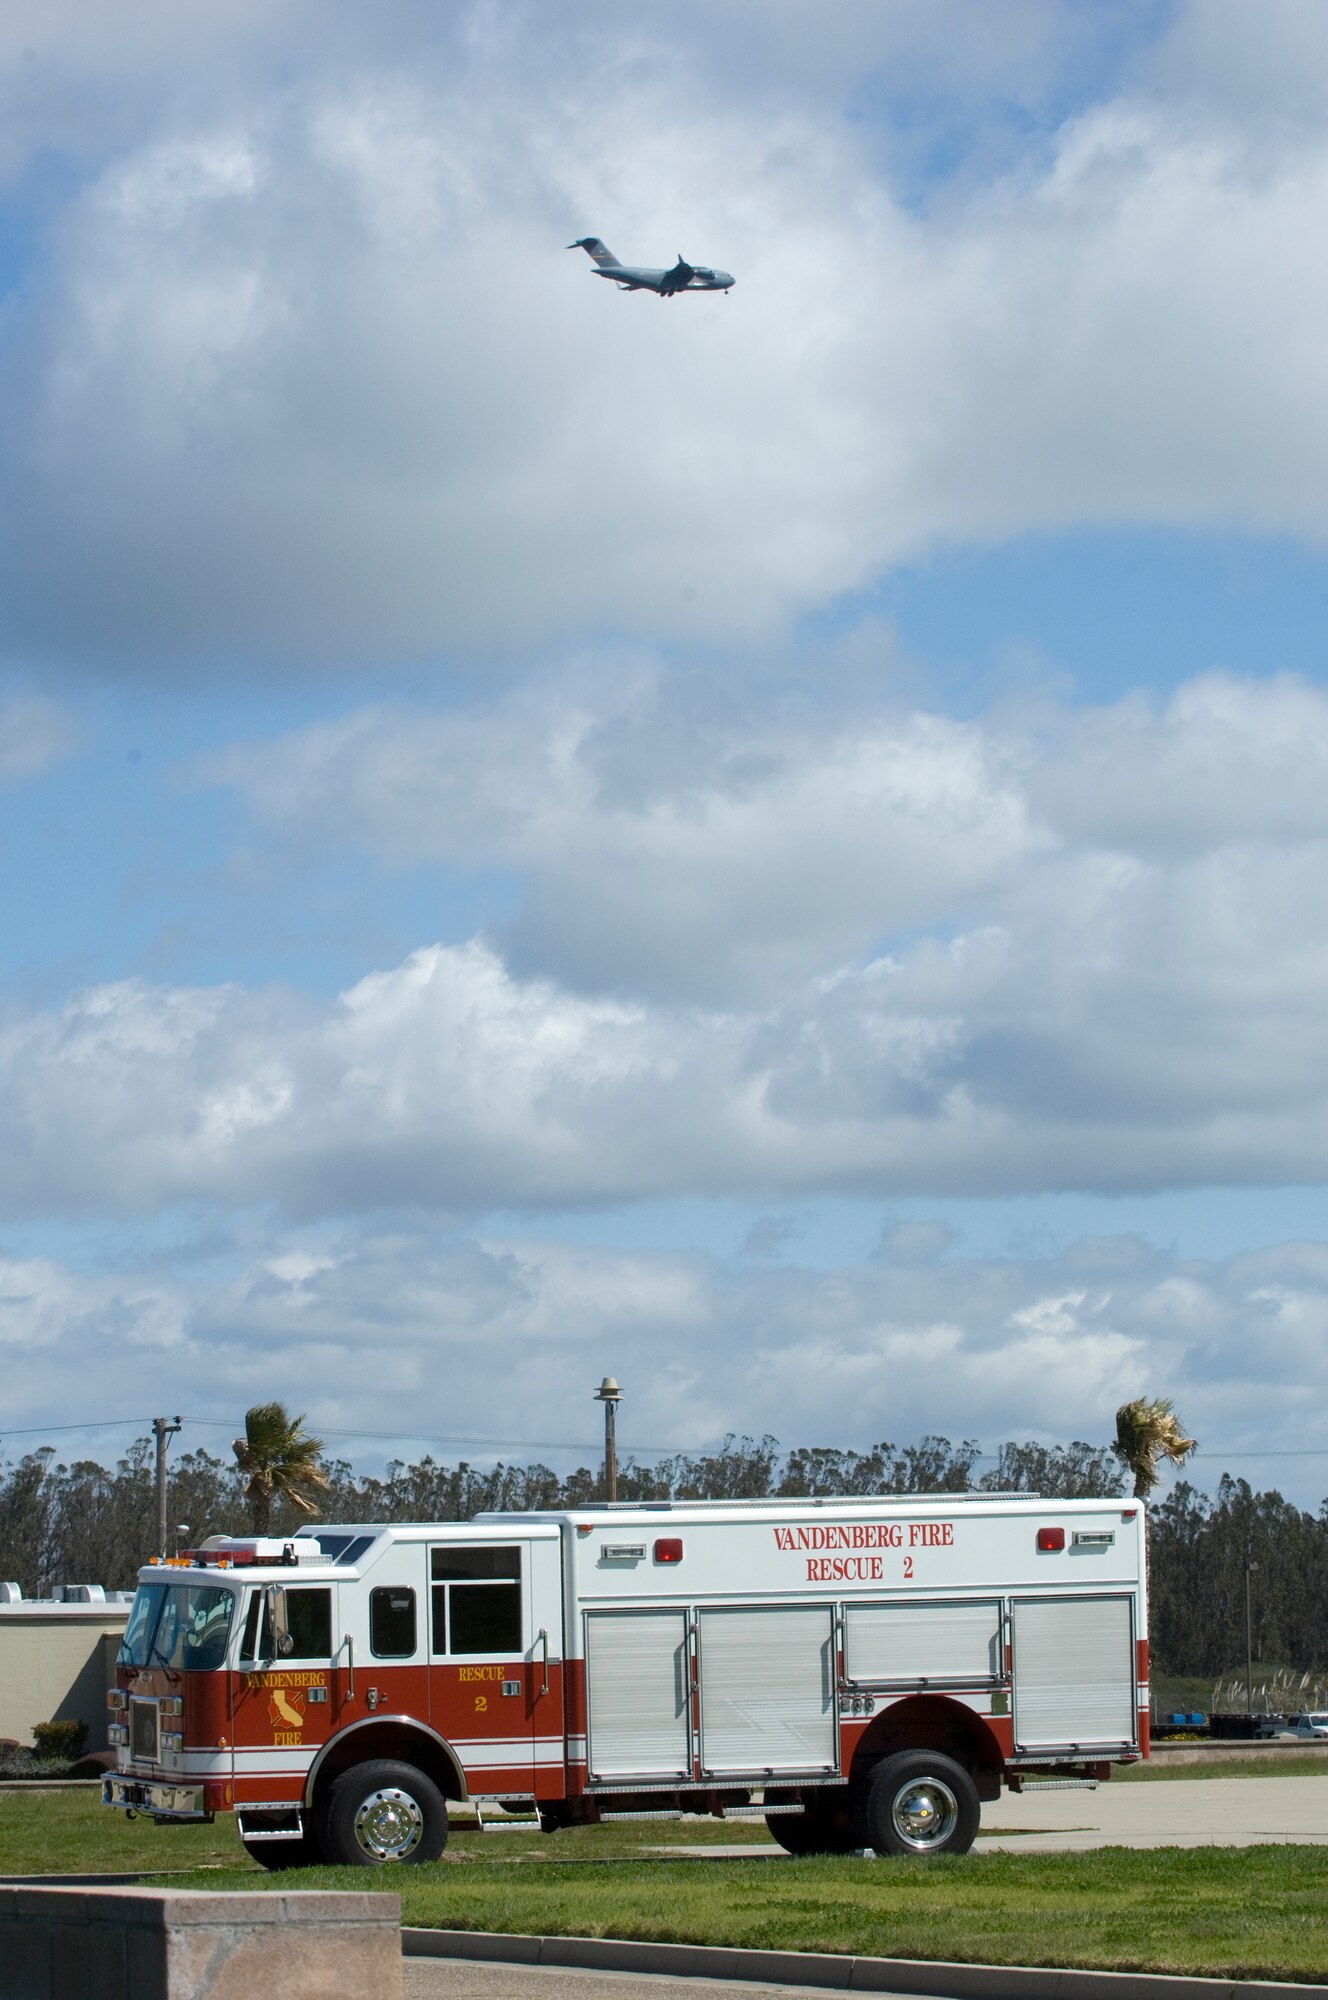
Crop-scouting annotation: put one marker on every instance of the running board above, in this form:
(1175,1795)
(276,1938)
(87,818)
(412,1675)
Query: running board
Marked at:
(732,1812)
(514,1820)
(1058,1785)
(262,1828)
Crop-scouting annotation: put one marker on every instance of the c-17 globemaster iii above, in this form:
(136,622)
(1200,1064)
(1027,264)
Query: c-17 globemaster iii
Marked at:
(684,277)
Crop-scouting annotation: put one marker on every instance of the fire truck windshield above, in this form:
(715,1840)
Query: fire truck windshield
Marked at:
(178,1625)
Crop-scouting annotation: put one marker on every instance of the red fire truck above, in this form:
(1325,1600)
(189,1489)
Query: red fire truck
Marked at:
(859,1672)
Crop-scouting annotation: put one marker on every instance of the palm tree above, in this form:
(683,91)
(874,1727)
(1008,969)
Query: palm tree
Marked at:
(281,1461)
(1148,1431)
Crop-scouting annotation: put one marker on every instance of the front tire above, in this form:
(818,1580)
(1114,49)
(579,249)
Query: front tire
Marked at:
(919,1802)
(381,1812)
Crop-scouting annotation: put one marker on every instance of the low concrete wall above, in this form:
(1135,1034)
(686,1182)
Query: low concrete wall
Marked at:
(1263,1750)
(174,1944)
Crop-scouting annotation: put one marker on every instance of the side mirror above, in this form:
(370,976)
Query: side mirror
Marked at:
(274,1604)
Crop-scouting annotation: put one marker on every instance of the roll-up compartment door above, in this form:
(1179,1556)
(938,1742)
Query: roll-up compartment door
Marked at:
(900,1645)
(767,1676)
(637,1694)
(1074,1685)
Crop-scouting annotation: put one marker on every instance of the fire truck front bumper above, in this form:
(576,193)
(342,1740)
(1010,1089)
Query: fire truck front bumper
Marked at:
(146,1795)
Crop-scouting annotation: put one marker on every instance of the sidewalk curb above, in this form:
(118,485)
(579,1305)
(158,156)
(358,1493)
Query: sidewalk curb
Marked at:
(936,1977)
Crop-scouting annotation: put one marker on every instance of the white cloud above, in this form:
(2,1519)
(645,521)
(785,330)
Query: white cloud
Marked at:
(1092,1049)
(35,735)
(413,1332)
(662,848)
(1042,949)
(319,350)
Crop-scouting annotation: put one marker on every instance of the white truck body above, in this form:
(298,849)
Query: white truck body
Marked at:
(673,1656)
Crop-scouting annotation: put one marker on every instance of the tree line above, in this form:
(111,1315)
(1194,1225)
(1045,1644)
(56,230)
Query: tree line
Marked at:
(85,1522)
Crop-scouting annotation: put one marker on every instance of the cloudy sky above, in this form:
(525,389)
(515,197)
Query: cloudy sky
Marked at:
(773,845)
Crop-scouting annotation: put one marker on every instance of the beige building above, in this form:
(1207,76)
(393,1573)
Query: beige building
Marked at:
(57,1660)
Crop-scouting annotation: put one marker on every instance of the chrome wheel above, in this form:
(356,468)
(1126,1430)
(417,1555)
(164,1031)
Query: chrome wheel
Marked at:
(925,1813)
(389,1825)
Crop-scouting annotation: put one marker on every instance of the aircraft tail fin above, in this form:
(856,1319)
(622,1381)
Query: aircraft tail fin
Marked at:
(593,247)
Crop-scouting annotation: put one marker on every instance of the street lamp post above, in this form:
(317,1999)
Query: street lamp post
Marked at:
(610,1395)
(1250,1568)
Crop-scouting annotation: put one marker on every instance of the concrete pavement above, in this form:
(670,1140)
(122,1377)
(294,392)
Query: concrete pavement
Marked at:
(1182,1812)
(455,1979)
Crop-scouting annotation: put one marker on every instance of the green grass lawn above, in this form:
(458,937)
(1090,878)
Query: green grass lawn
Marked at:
(1256,1912)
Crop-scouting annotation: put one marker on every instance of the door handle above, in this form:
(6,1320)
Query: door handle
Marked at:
(349,1644)
(543,1637)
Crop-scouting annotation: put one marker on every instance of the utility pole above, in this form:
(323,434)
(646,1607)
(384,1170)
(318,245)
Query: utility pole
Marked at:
(1250,1568)
(610,1395)
(162,1428)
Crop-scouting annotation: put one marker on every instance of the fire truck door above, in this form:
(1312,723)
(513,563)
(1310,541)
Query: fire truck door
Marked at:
(767,1679)
(282,1704)
(1074,1670)
(496,1660)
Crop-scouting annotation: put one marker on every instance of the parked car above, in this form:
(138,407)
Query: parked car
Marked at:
(1312,1725)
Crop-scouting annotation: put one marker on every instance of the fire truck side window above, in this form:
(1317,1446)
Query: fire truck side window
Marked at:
(476,1598)
(308,1620)
(249,1643)
(392,1623)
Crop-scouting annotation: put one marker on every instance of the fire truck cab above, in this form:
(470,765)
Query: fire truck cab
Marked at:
(859,1672)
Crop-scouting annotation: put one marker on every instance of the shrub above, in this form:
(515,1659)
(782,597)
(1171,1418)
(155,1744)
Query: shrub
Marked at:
(65,1740)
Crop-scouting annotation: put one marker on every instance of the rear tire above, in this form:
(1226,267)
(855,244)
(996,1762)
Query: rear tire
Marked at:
(919,1802)
(381,1812)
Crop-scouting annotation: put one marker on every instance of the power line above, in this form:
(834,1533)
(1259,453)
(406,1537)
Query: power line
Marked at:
(95,1424)
(537,1444)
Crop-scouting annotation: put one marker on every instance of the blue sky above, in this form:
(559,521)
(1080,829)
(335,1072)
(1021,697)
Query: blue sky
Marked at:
(770,845)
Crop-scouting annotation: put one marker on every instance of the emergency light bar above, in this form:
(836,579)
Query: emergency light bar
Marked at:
(243,1550)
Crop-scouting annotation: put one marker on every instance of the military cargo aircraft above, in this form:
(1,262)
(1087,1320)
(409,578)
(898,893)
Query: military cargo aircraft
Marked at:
(684,277)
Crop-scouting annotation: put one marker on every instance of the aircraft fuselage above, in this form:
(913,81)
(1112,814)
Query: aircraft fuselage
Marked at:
(637,278)
(683,277)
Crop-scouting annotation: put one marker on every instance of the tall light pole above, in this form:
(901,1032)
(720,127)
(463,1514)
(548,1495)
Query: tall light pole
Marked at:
(161,1430)
(610,1395)
(1250,1568)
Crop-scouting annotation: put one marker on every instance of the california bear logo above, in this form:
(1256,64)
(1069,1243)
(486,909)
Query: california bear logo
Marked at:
(285,1708)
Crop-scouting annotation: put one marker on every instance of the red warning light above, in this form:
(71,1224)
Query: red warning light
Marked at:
(1051,1538)
(669,1549)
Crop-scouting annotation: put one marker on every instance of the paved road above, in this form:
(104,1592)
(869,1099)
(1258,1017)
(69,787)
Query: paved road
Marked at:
(1182,1812)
